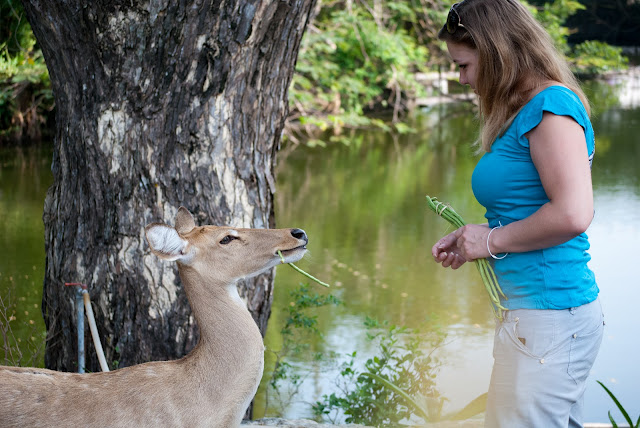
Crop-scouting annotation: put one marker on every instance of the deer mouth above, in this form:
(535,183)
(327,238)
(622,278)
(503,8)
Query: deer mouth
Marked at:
(292,255)
(292,250)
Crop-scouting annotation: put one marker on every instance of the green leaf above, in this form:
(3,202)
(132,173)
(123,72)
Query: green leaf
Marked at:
(622,410)
(423,413)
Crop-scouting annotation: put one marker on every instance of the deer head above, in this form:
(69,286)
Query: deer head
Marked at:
(229,253)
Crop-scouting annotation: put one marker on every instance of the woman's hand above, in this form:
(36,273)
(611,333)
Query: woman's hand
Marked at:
(445,251)
(472,241)
(464,244)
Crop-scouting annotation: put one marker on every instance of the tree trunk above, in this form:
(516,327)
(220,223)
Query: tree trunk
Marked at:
(158,104)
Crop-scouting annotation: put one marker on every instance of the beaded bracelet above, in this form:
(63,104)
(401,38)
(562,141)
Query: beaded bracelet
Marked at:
(489,250)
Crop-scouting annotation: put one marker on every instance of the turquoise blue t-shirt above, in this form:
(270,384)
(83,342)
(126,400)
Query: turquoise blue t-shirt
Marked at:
(506,182)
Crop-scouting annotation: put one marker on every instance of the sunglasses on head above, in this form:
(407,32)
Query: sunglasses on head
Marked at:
(453,19)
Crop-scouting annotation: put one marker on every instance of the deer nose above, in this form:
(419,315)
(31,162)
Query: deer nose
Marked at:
(299,234)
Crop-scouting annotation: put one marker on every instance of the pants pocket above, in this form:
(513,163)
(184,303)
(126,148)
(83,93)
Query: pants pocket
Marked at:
(583,352)
(534,332)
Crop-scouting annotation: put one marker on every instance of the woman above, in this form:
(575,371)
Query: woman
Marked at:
(534,180)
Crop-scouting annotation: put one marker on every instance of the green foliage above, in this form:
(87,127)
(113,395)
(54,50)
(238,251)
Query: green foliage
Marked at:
(366,396)
(622,410)
(298,327)
(297,319)
(25,89)
(15,31)
(476,406)
(354,60)
(594,57)
(22,67)
(552,16)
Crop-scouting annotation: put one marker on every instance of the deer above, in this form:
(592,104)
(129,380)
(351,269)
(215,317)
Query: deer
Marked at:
(213,385)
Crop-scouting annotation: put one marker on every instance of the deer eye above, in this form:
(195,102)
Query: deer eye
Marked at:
(227,239)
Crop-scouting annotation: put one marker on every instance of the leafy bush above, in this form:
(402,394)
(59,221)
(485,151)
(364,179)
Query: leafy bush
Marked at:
(299,326)
(352,61)
(25,90)
(401,361)
(594,57)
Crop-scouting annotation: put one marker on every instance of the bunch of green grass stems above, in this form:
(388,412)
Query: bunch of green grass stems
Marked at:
(486,271)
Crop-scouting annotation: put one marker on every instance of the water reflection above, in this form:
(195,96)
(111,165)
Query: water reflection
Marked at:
(629,88)
(24,178)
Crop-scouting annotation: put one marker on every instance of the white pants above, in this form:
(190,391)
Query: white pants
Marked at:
(542,359)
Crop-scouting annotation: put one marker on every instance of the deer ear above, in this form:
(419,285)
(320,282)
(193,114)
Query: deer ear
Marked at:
(165,241)
(184,221)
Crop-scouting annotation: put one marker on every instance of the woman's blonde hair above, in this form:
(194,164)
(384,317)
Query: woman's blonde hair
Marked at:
(515,56)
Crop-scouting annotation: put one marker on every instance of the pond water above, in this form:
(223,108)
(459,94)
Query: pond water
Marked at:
(370,231)
(25,176)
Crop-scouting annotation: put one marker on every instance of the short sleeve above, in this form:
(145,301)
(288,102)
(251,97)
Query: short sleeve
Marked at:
(560,101)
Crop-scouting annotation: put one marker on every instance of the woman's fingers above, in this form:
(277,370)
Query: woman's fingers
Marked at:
(446,244)
(447,250)
(457,262)
(447,259)
(450,259)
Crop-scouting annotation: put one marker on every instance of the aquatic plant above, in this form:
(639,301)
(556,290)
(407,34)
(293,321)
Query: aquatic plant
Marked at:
(625,414)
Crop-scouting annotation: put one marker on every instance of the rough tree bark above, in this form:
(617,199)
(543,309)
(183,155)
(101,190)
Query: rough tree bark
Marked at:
(158,104)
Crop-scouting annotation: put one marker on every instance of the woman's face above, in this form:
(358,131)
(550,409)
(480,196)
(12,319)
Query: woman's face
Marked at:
(467,62)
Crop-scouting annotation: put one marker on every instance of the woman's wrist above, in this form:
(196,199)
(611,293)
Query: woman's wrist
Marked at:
(495,251)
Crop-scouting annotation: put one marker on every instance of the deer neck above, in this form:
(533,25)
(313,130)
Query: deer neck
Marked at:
(229,337)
